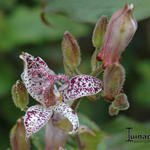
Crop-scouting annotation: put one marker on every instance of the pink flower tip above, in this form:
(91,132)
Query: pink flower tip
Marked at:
(119,33)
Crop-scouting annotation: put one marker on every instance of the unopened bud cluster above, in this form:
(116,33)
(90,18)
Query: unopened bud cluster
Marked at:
(110,40)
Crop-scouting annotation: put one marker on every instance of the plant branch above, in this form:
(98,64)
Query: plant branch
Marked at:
(76,70)
(79,142)
(75,104)
(97,72)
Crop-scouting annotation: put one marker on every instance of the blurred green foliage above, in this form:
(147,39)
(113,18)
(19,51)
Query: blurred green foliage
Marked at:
(21,29)
(95,9)
(117,134)
(24,26)
(143,97)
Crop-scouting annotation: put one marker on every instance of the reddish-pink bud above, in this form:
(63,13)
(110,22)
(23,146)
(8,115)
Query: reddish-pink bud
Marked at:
(119,33)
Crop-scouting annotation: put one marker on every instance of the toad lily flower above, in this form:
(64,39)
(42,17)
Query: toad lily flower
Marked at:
(42,84)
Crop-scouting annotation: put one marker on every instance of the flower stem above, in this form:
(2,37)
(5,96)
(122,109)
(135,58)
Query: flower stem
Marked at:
(76,70)
(97,72)
(75,104)
(79,142)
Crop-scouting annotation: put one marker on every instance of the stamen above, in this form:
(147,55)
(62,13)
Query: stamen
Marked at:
(61,98)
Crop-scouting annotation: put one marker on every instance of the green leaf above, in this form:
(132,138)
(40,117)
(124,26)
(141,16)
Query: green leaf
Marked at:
(91,11)
(84,120)
(117,134)
(92,142)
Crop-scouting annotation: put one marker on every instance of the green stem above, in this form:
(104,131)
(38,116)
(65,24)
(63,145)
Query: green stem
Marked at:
(24,109)
(76,70)
(75,104)
(97,68)
(97,72)
(79,142)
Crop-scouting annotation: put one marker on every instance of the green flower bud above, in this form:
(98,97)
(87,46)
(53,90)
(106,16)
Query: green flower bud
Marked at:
(17,137)
(99,31)
(64,125)
(85,129)
(114,77)
(113,111)
(121,102)
(71,50)
(68,70)
(20,95)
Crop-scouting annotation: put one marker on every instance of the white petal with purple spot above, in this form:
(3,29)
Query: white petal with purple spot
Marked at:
(64,110)
(35,118)
(82,85)
(39,79)
(36,75)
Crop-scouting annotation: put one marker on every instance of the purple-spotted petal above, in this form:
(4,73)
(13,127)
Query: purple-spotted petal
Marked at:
(82,85)
(39,80)
(36,75)
(64,79)
(64,110)
(34,63)
(35,118)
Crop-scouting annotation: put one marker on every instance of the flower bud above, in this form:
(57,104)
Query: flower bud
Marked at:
(114,77)
(17,137)
(71,50)
(64,125)
(113,110)
(99,32)
(85,129)
(121,102)
(68,70)
(20,95)
(119,33)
